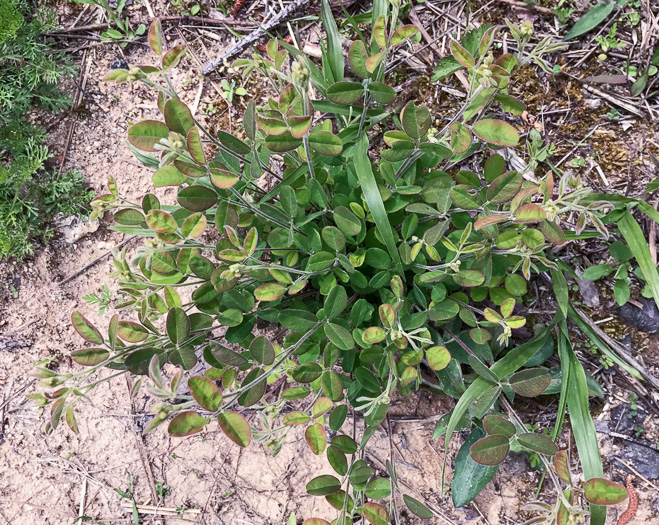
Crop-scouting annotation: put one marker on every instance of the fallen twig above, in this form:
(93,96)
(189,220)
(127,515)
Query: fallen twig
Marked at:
(255,35)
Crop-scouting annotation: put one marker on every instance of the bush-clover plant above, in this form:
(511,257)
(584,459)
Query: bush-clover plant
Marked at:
(395,256)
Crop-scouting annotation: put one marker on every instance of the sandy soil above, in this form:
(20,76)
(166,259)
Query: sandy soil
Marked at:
(55,479)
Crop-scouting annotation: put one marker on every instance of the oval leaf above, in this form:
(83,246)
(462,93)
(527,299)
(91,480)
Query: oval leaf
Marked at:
(187,423)
(205,392)
(601,491)
(530,382)
(235,427)
(490,451)
(496,132)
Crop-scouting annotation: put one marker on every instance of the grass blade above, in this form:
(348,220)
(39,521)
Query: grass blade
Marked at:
(583,428)
(639,247)
(560,290)
(374,200)
(334,47)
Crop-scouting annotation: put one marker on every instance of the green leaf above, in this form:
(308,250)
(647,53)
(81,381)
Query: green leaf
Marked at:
(415,119)
(496,132)
(357,59)
(374,200)
(168,176)
(90,356)
(496,425)
(347,221)
(338,335)
(594,17)
(187,423)
(178,325)
(262,350)
(282,143)
(345,92)
(205,392)
(438,357)
(339,414)
(193,142)
(403,33)
(505,187)
(378,488)
(316,438)
(172,57)
(482,370)
(194,225)
(334,238)
(129,217)
(161,221)
(597,271)
(639,247)
(381,92)
(226,356)
(325,143)
(269,292)
(417,508)
(131,332)
(469,477)
(178,117)
(345,443)
(332,387)
(335,302)
(146,134)
(510,104)
(155,37)
(465,198)
(375,514)
(469,278)
(323,485)
(297,320)
(233,143)
(490,451)
(85,329)
(197,198)
(307,372)
(337,459)
(320,261)
(604,492)
(235,427)
(621,292)
(531,382)
(538,443)
(461,54)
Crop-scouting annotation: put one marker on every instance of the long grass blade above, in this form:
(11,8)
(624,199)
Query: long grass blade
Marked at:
(560,290)
(639,247)
(374,200)
(334,47)
(582,424)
